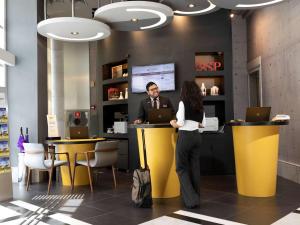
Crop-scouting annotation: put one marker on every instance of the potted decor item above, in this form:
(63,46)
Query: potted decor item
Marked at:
(203,89)
(214,90)
(126,93)
(121,96)
(113,93)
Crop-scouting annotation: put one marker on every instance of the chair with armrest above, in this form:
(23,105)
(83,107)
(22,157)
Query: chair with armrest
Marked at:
(105,155)
(37,159)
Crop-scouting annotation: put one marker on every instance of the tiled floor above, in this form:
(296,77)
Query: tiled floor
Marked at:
(113,206)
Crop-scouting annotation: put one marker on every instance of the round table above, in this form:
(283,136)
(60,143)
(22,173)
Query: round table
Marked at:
(71,146)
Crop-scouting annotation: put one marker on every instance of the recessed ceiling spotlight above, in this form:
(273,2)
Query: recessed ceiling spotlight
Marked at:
(191,5)
(203,11)
(258,4)
(74,33)
(134,20)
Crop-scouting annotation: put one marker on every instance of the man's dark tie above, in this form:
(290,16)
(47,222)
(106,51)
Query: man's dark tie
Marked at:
(155,103)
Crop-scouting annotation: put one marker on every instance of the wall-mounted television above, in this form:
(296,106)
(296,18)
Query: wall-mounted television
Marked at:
(163,75)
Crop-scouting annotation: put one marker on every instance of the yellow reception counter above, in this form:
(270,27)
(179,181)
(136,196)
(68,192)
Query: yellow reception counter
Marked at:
(71,146)
(256,156)
(160,140)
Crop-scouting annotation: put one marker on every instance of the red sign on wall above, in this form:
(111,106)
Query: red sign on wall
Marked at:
(209,61)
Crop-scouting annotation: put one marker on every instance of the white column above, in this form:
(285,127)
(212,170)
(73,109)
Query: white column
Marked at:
(56,83)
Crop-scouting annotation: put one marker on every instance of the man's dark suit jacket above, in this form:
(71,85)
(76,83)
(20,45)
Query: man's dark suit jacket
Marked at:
(146,104)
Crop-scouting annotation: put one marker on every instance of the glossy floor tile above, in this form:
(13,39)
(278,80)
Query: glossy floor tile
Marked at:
(220,204)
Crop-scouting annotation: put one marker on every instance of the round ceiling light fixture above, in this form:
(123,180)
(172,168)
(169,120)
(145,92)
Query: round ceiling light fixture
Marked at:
(194,8)
(243,4)
(72,29)
(62,29)
(150,15)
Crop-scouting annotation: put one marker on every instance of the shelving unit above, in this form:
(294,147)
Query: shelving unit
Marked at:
(212,70)
(5,167)
(4,150)
(115,102)
(113,82)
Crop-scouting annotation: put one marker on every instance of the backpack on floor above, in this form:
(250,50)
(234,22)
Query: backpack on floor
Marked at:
(141,189)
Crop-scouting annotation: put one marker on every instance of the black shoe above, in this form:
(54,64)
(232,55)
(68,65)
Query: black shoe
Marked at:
(192,206)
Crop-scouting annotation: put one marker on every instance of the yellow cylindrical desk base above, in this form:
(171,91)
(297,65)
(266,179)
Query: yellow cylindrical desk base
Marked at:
(81,177)
(256,155)
(160,146)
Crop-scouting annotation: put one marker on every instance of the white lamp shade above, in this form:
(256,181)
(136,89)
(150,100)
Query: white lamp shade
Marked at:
(135,15)
(73,29)
(244,4)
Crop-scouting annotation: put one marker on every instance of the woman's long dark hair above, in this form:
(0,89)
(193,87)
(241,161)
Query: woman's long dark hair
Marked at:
(191,94)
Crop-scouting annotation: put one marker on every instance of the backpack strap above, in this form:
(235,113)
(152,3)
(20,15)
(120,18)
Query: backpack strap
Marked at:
(144,150)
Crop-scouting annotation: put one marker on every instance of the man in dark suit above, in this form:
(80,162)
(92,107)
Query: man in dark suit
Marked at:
(154,100)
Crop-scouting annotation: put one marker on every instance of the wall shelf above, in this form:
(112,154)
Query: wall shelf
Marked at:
(115,81)
(115,102)
(214,98)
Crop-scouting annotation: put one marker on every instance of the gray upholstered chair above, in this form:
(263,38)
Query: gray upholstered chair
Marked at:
(105,155)
(37,159)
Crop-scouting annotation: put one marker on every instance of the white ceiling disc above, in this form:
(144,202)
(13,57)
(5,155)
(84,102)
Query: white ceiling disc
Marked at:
(192,7)
(135,15)
(244,4)
(73,29)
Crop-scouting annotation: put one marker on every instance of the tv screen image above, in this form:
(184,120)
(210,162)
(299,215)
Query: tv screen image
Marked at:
(163,75)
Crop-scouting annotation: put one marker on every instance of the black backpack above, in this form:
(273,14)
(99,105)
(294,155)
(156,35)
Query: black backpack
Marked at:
(141,189)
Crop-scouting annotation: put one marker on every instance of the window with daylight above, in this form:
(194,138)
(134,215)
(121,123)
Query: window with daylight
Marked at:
(2,41)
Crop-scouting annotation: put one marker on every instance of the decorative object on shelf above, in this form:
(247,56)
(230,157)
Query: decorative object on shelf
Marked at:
(125,74)
(135,15)
(243,4)
(121,96)
(214,90)
(113,93)
(116,71)
(203,89)
(110,130)
(72,29)
(126,93)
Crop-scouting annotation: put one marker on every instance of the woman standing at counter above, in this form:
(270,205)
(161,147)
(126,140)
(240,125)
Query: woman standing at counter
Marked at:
(190,117)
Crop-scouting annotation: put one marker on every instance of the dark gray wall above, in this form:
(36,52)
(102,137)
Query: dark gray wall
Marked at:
(274,34)
(177,43)
(27,81)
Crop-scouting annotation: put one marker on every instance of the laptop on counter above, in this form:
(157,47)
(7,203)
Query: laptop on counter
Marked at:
(79,132)
(258,114)
(158,116)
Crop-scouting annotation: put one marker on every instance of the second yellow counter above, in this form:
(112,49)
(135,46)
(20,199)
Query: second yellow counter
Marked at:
(160,145)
